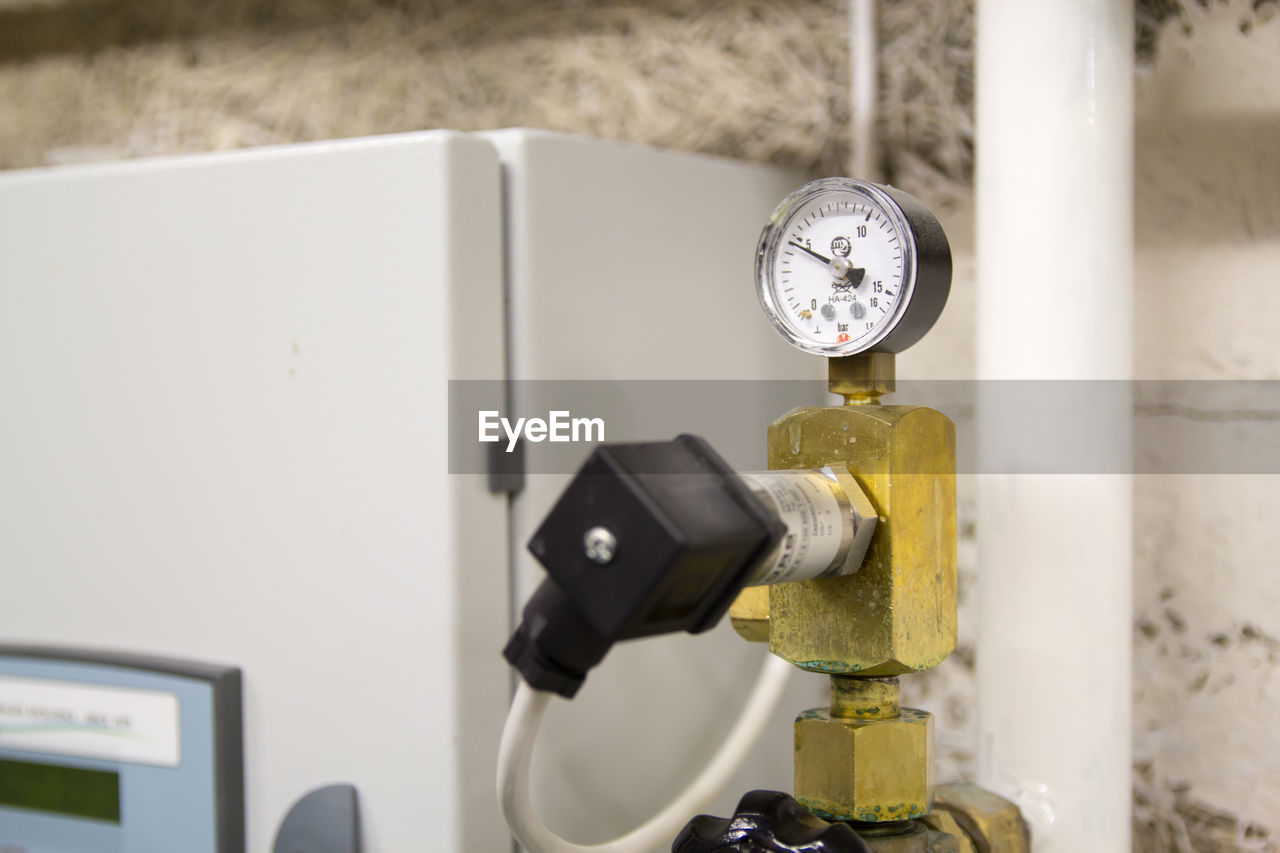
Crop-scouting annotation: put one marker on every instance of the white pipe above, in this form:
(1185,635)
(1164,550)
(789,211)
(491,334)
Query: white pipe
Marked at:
(1055,278)
(863,87)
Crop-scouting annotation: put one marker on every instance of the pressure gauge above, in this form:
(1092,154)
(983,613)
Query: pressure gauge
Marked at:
(845,266)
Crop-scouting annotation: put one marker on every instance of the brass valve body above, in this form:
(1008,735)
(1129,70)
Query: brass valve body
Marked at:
(866,759)
(898,614)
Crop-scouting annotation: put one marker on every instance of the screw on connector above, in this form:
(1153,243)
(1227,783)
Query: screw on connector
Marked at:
(600,545)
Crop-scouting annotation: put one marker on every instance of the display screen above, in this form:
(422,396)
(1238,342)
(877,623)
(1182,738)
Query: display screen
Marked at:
(74,791)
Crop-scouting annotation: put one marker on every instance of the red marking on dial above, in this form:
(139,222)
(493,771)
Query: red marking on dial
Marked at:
(842,338)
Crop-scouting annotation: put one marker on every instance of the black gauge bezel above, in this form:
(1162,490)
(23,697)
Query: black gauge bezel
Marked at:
(926,268)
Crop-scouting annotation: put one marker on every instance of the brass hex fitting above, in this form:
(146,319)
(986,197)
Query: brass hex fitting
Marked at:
(862,378)
(867,770)
(943,823)
(898,613)
(749,614)
(992,823)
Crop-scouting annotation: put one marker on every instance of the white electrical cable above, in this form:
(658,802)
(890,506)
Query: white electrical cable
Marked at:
(516,754)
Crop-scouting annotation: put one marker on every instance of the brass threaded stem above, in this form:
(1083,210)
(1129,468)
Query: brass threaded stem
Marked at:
(863,378)
(855,698)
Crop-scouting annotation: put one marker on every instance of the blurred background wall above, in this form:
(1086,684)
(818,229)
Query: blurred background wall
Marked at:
(767,80)
(760,80)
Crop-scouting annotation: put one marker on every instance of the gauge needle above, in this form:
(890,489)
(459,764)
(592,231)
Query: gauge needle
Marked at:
(851,273)
(810,251)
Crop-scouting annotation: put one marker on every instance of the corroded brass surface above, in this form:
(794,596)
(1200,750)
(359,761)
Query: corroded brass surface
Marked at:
(862,378)
(943,823)
(898,614)
(749,614)
(992,823)
(858,698)
(865,770)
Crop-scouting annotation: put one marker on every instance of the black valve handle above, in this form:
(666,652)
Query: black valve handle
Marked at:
(767,822)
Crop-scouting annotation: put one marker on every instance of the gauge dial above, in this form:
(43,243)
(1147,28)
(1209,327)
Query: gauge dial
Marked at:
(845,266)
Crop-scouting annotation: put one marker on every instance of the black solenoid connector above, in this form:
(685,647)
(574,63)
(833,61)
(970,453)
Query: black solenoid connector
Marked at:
(647,539)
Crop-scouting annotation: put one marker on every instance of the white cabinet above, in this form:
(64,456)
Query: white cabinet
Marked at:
(223,392)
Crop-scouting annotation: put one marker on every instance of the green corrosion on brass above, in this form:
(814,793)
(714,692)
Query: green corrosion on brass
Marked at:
(831,667)
(875,814)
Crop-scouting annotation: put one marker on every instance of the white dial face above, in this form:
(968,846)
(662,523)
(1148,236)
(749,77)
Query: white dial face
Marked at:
(836,267)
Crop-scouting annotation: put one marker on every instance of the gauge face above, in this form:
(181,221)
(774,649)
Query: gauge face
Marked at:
(837,267)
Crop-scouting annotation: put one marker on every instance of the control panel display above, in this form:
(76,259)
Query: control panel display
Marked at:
(73,791)
(115,753)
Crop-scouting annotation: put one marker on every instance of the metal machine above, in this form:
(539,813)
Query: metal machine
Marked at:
(842,557)
(223,461)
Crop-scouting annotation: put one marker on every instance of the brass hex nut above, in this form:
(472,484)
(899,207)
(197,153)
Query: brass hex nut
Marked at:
(943,823)
(868,770)
(897,614)
(993,824)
